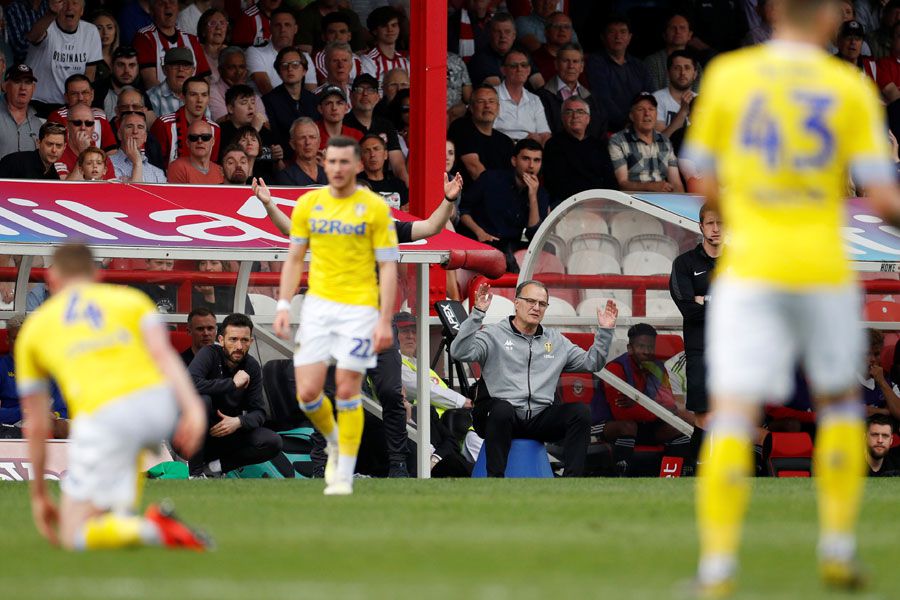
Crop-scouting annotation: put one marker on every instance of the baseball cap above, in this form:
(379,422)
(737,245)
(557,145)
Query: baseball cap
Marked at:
(644,96)
(178,56)
(364,79)
(19,71)
(852,29)
(404,319)
(124,52)
(331,90)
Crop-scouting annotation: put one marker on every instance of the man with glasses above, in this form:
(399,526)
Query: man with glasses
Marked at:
(197,166)
(167,97)
(564,85)
(81,134)
(19,124)
(79,91)
(261,60)
(521,112)
(290,100)
(559,33)
(171,130)
(521,361)
(532,29)
(363,98)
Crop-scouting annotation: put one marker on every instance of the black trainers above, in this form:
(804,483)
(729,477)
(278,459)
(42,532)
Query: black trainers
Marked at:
(397,470)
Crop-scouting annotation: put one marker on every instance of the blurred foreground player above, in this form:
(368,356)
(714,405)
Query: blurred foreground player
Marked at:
(778,127)
(346,315)
(127,390)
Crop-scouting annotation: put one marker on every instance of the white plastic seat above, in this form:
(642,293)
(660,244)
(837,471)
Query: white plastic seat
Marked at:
(557,246)
(646,263)
(262,304)
(630,223)
(651,242)
(559,308)
(546,262)
(662,307)
(579,221)
(602,242)
(592,262)
(588,306)
(500,308)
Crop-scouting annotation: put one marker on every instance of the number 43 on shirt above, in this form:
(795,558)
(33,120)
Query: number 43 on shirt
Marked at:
(768,133)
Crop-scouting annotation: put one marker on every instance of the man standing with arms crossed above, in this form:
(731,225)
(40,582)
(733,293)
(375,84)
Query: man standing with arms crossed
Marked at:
(347,313)
(778,127)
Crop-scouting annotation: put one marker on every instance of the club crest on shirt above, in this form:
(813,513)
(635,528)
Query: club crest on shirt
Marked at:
(548,347)
(360,209)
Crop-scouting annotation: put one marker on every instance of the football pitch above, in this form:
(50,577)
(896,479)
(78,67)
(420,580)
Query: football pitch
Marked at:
(467,539)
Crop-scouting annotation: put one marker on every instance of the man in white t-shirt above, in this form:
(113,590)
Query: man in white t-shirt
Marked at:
(674,101)
(521,112)
(61,45)
(261,59)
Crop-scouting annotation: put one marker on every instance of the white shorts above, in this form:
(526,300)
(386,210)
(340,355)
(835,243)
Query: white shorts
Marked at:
(334,332)
(758,335)
(106,446)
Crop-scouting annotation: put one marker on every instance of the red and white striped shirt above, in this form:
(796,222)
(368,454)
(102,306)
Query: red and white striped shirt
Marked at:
(151,46)
(359,64)
(384,64)
(103,133)
(252,28)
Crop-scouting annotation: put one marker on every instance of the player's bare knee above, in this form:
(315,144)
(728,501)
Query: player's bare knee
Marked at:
(833,399)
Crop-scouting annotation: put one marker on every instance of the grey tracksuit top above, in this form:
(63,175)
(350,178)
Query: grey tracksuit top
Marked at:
(524,370)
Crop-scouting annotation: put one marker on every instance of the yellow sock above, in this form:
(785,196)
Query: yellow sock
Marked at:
(321,413)
(350,425)
(113,531)
(839,463)
(723,490)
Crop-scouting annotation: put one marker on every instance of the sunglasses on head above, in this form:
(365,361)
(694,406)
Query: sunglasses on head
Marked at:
(198,137)
(79,123)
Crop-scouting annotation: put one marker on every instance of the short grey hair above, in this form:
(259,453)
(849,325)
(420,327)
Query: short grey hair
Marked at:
(333,47)
(226,52)
(525,284)
(16,321)
(302,121)
(573,99)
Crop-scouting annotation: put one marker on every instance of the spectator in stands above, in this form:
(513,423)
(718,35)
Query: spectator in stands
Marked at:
(20,17)
(305,169)
(363,98)
(880,395)
(504,203)
(565,84)
(90,166)
(689,287)
(532,29)
(333,108)
(850,40)
(240,102)
(559,33)
(201,325)
(189,17)
(468,30)
(79,136)
(252,28)
(574,159)
(134,16)
(41,163)
(398,111)
(108,29)
(384,25)
(521,112)
(19,124)
(478,145)
(212,30)
(338,65)
(374,158)
(868,13)
(53,38)
(249,140)
(290,100)
(171,130)
(881,38)
(676,36)
(459,87)
(10,410)
(718,26)
(614,75)
(164,296)
(235,165)
(879,437)
(261,60)
(674,101)
(888,68)
(229,380)
(123,73)
(132,100)
(153,42)
(132,164)
(232,72)
(336,28)
(392,82)
(485,65)
(312,17)
(217,298)
(79,91)
(642,157)
(168,96)
(521,362)
(197,166)
(640,369)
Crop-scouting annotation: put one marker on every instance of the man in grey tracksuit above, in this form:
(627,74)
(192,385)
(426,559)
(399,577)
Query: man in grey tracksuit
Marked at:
(521,363)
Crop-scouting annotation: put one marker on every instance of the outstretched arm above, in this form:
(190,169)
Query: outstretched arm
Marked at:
(438,219)
(278,218)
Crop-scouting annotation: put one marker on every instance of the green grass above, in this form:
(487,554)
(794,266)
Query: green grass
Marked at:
(471,539)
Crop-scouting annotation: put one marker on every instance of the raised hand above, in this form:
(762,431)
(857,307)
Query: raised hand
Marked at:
(483,297)
(261,191)
(452,187)
(606,317)
(532,183)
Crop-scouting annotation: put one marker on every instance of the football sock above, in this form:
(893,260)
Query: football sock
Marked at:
(723,490)
(350,427)
(109,531)
(839,464)
(321,413)
(623,449)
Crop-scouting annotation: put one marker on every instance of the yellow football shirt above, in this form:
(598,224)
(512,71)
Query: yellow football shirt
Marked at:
(781,124)
(346,237)
(89,339)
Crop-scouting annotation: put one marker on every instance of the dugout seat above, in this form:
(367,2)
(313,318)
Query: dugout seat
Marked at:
(578,222)
(646,262)
(881,310)
(788,454)
(602,242)
(262,304)
(588,306)
(559,307)
(630,223)
(500,308)
(546,263)
(652,242)
(592,262)
(668,345)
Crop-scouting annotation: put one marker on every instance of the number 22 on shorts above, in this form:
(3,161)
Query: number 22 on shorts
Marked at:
(362,348)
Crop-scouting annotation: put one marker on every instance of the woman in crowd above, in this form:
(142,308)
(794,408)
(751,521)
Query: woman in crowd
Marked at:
(109,40)
(213,29)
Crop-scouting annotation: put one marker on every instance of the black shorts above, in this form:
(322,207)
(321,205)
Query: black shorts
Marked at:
(695,374)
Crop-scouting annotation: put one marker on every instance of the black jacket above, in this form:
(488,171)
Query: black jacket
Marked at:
(690,277)
(212,377)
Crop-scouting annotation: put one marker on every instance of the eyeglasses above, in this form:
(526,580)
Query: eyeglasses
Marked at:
(79,123)
(531,302)
(295,64)
(132,107)
(364,89)
(576,111)
(199,137)
(519,65)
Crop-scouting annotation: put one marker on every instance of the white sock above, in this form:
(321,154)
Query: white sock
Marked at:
(837,546)
(215,466)
(332,438)
(345,467)
(716,568)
